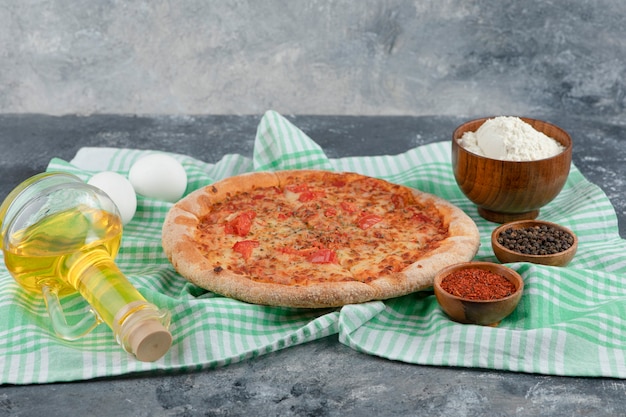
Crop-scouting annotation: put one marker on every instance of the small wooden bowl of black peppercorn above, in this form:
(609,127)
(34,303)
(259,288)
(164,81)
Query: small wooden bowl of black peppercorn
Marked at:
(536,241)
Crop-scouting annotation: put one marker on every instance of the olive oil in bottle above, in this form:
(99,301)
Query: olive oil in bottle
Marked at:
(61,249)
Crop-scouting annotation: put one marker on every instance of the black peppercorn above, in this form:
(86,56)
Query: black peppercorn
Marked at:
(536,240)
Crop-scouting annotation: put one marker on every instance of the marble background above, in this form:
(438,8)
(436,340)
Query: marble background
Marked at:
(442,57)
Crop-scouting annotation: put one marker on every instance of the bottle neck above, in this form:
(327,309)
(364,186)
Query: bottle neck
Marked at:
(98,279)
(139,326)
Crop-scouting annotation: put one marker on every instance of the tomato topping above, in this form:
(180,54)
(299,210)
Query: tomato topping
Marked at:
(322,256)
(289,251)
(368,220)
(421,217)
(330,212)
(306,194)
(310,195)
(282,216)
(241,224)
(349,207)
(245,247)
(398,201)
(297,188)
(258,197)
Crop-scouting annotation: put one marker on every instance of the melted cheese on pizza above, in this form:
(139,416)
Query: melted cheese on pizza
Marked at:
(323,230)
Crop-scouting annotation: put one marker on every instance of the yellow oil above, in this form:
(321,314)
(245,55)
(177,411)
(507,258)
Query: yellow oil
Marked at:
(70,251)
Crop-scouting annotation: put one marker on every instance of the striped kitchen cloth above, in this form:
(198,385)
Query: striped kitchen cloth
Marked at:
(568,323)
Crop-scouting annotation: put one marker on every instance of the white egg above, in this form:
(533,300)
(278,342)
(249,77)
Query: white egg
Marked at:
(158,176)
(120,190)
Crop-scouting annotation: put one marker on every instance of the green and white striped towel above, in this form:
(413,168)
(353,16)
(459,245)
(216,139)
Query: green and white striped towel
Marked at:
(571,321)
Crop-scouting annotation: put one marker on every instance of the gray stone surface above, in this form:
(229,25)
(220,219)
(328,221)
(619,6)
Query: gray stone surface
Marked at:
(369,57)
(322,378)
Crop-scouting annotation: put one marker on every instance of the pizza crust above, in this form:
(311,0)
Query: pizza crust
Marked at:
(181,248)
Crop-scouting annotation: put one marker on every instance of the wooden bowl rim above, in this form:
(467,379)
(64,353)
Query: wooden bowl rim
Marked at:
(494,267)
(525,223)
(456,136)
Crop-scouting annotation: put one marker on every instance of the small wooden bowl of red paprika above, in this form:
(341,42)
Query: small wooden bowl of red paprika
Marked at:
(481,293)
(536,241)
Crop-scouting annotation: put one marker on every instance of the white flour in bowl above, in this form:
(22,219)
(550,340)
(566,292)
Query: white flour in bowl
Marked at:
(510,139)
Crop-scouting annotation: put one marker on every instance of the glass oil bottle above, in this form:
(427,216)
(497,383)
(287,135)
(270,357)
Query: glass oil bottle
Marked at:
(59,237)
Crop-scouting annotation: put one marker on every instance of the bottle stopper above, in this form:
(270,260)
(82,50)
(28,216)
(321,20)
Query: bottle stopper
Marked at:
(149,340)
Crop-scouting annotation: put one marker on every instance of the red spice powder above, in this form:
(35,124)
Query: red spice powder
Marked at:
(477,284)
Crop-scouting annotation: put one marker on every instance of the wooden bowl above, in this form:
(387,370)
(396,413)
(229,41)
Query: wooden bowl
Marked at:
(505,191)
(506,255)
(482,312)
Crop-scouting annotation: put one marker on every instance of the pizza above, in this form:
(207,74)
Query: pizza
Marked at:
(314,239)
